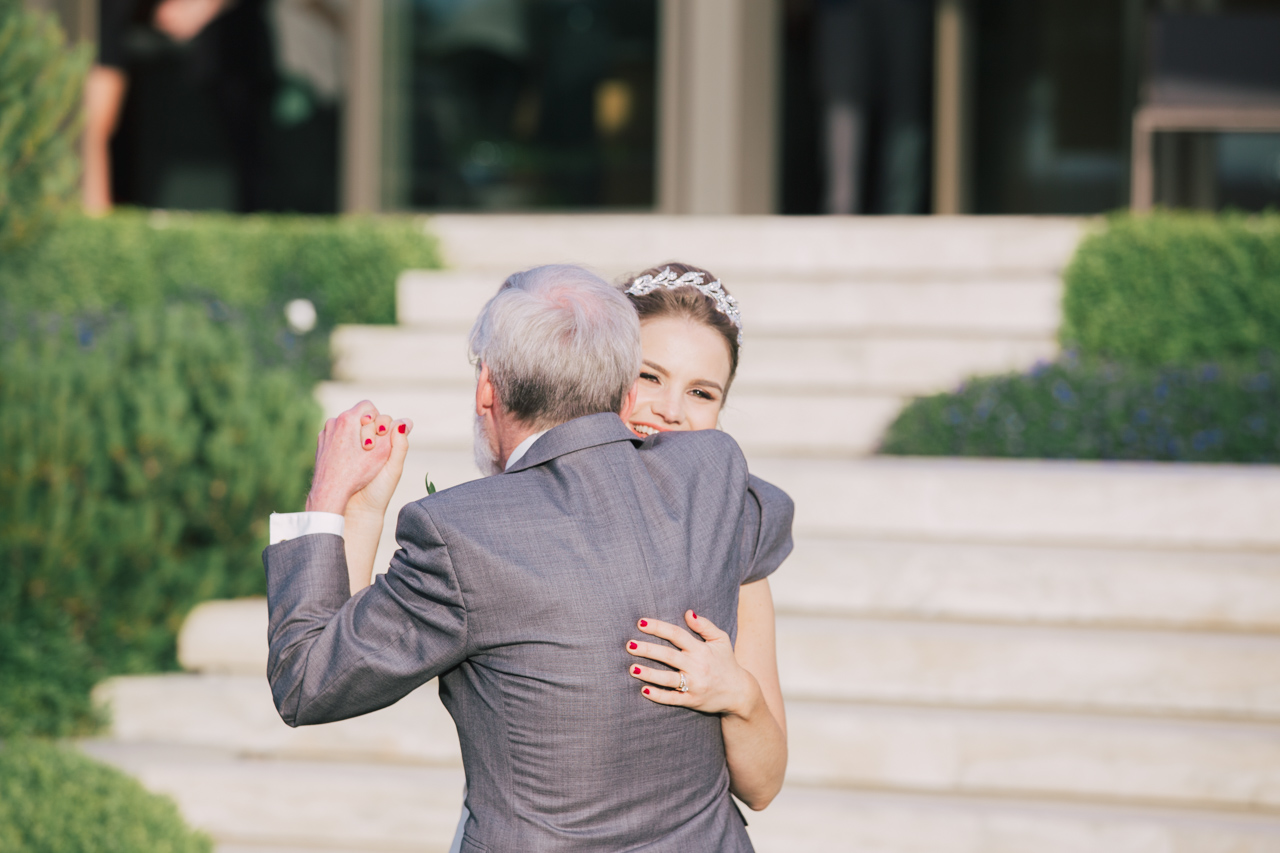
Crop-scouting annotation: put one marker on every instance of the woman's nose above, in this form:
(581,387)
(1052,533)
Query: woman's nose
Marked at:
(668,407)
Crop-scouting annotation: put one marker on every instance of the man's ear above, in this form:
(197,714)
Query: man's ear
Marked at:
(629,402)
(485,395)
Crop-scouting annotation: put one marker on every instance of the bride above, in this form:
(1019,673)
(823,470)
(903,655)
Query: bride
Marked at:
(690,333)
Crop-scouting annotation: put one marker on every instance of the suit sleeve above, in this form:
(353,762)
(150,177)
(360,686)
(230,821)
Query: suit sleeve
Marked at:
(333,655)
(769,513)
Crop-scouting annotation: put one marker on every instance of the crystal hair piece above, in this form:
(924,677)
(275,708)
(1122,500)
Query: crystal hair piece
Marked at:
(725,303)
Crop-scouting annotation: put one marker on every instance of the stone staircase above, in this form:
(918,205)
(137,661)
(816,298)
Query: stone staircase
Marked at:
(978,656)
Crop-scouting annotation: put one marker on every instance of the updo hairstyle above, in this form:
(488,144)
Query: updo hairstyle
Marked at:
(688,303)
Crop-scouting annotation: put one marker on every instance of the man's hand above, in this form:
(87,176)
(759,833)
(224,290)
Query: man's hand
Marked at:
(353,449)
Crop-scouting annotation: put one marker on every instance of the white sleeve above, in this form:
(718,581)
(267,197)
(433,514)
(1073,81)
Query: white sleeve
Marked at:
(291,525)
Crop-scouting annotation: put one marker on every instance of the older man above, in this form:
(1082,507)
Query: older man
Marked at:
(521,591)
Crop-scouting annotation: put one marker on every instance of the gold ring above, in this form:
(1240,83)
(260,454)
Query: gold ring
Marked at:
(684,684)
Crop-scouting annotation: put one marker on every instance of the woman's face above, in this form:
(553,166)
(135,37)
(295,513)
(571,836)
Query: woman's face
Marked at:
(682,380)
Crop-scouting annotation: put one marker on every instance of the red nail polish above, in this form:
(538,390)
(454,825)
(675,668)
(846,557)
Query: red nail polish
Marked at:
(635,671)
(402,429)
(695,615)
(381,430)
(368,441)
(646,691)
(632,646)
(644,623)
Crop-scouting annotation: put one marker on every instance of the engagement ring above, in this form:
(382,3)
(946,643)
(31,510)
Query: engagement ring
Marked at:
(684,685)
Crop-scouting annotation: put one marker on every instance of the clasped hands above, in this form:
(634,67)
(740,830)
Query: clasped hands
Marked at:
(359,459)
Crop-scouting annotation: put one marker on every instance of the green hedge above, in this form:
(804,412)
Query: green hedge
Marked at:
(1102,411)
(140,455)
(347,266)
(40,87)
(1176,289)
(55,800)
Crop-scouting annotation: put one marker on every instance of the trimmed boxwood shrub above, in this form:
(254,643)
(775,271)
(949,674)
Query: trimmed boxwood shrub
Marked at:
(40,87)
(1083,410)
(140,455)
(56,800)
(346,266)
(1176,289)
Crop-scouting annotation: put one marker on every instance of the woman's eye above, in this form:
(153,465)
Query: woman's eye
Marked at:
(648,377)
(705,395)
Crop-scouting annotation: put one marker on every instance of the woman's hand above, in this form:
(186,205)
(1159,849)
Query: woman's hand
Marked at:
(716,683)
(374,498)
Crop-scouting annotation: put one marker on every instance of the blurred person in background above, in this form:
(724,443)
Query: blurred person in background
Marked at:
(873,63)
(178,105)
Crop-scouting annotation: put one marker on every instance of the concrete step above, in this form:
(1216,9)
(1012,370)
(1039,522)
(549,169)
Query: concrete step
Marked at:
(1101,759)
(845,821)
(1195,590)
(278,806)
(257,805)
(1098,758)
(792,423)
(948,664)
(1153,505)
(976,304)
(884,364)
(1161,673)
(236,712)
(760,245)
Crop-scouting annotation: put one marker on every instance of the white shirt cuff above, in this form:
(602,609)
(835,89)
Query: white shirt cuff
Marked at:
(291,525)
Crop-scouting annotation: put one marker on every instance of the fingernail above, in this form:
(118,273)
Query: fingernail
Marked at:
(646,691)
(632,646)
(644,623)
(402,429)
(695,615)
(368,441)
(381,429)
(635,671)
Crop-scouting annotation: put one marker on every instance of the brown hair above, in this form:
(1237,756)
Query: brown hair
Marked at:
(689,303)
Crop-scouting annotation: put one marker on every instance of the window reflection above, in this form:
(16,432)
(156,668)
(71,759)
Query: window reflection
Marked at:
(523,104)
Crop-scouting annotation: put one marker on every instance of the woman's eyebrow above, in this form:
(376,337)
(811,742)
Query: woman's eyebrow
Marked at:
(658,368)
(709,383)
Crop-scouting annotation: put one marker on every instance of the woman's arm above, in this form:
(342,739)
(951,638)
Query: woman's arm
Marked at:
(757,749)
(365,512)
(104,92)
(741,685)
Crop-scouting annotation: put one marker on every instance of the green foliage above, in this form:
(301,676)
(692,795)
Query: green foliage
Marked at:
(55,800)
(1176,288)
(140,455)
(346,266)
(40,87)
(1102,411)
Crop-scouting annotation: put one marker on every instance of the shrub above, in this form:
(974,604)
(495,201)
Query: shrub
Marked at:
(254,264)
(40,86)
(55,800)
(1176,288)
(140,455)
(1077,410)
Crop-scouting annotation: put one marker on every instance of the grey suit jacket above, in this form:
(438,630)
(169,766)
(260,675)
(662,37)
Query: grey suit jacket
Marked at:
(520,591)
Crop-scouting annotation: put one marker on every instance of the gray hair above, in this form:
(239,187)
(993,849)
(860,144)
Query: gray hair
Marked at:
(560,343)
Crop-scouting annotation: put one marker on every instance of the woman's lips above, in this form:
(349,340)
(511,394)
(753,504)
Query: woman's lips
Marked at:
(645,430)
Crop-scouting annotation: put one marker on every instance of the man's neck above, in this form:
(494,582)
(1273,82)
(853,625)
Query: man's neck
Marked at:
(510,433)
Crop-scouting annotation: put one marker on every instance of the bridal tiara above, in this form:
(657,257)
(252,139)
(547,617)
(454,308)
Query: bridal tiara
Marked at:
(725,303)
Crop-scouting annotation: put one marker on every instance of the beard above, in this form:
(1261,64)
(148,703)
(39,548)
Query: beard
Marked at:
(486,458)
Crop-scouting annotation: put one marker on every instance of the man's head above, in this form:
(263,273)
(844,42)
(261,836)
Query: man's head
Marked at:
(555,343)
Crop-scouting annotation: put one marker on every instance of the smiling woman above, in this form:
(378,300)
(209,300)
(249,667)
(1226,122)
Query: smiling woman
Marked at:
(690,332)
